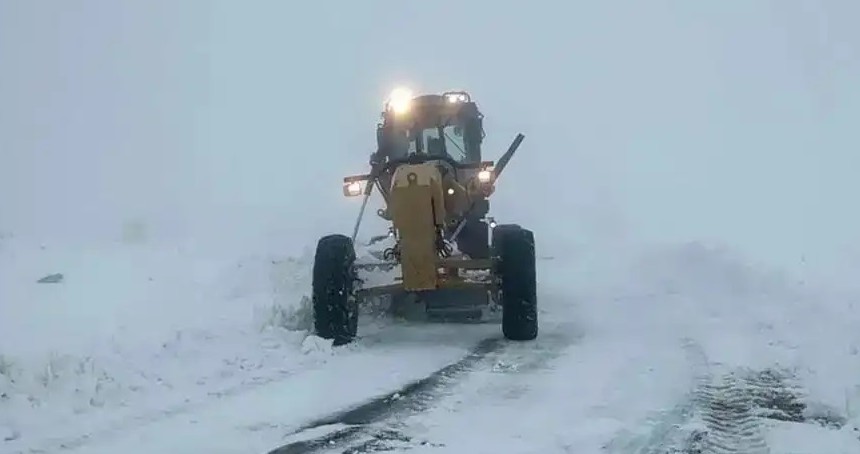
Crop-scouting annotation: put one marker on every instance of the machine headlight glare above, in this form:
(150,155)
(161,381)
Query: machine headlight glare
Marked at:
(352,189)
(400,100)
(485,176)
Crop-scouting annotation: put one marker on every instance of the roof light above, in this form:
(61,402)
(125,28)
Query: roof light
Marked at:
(457,97)
(400,100)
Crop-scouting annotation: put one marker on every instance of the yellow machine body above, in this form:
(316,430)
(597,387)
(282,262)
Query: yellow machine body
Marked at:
(417,210)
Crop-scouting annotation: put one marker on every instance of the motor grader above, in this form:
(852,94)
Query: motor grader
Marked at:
(450,255)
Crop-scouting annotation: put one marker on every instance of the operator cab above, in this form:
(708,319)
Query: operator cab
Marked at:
(446,126)
(448,130)
(433,141)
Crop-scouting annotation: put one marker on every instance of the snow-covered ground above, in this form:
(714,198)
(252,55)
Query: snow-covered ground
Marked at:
(176,350)
(648,347)
(137,336)
(647,129)
(131,331)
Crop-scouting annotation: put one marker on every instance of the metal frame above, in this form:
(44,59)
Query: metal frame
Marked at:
(467,114)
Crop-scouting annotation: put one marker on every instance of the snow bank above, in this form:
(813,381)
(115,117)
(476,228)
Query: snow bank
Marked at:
(134,328)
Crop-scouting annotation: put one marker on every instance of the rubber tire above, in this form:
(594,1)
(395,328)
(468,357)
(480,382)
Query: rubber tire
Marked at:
(334,276)
(514,248)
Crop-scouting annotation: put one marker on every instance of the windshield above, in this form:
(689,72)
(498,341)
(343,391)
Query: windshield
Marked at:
(433,141)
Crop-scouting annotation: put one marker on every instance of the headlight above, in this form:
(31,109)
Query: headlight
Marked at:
(485,176)
(457,97)
(353,188)
(354,185)
(400,100)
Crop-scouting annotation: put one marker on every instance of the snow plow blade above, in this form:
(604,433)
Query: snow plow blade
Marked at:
(445,281)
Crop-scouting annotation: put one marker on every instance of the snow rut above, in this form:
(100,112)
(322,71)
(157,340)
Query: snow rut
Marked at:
(378,425)
(728,412)
(725,413)
(354,427)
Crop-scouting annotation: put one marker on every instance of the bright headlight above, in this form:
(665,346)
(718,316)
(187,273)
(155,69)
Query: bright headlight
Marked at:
(485,176)
(400,100)
(354,185)
(353,188)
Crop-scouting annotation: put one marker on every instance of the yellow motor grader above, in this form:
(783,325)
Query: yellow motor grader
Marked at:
(450,255)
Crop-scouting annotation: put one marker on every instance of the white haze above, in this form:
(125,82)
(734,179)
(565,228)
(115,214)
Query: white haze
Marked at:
(732,122)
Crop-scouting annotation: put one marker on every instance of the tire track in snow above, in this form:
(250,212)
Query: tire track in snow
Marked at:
(727,410)
(118,426)
(368,427)
(724,413)
(717,417)
(727,422)
(348,426)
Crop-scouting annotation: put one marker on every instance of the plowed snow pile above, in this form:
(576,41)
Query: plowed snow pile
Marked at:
(131,333)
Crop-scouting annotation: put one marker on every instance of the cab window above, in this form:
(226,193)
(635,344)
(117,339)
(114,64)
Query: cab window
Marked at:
(455,144)
(429,141)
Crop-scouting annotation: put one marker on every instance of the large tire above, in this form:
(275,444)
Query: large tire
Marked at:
(514,248)
(334,277)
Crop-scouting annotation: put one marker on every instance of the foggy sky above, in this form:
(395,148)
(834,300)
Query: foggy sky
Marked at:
(661,121)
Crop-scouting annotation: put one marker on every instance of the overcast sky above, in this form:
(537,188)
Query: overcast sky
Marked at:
(664,121)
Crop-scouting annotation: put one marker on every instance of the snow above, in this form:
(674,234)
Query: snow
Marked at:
(130,331)
(688,169)
(139,338)
(808,439)
(187,345)
(635,354)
